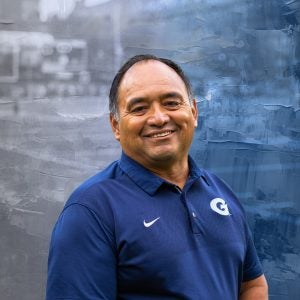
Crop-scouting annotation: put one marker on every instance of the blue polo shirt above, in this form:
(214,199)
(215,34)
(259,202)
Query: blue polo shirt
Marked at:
(128,234)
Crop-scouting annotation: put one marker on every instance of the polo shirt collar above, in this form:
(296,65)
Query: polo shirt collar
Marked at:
(145,179)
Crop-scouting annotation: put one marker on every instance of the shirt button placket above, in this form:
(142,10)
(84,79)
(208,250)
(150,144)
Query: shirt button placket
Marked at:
(192,215)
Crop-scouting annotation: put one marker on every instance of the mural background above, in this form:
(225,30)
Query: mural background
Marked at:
(57,59)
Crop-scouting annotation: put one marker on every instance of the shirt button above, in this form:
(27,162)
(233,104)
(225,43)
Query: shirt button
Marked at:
(194,215)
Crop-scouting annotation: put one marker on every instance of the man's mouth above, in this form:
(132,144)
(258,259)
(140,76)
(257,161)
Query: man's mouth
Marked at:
(160,134)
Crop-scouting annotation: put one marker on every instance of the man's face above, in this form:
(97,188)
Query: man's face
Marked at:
(156,119)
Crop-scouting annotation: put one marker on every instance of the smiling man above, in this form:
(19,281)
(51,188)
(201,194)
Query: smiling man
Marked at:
(153,225)
(155,120)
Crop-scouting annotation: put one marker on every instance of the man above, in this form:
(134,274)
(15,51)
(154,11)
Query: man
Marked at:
(153,225)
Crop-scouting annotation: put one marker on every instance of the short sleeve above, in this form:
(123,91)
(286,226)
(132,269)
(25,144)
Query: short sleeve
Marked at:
(82,259)
(252,267)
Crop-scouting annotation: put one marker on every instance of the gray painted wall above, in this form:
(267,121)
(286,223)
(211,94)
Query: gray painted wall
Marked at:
(56,63)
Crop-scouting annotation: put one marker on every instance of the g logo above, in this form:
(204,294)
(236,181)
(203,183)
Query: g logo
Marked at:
(219,206)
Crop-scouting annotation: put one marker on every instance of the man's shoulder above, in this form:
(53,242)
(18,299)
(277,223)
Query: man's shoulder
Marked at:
(219,184)
(214,180)
(93,187)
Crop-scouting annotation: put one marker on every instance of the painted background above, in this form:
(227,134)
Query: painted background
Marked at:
(57,59)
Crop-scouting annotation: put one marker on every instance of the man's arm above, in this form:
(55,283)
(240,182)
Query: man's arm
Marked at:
(256,289)
(82,258)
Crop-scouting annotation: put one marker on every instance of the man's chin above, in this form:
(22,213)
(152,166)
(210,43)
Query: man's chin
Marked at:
(163,156)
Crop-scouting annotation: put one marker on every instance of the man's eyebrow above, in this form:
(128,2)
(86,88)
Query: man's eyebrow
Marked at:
(171,95)
(135,101)
(138,100)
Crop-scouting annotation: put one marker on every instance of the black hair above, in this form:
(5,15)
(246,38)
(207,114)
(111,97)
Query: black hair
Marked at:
(113,93)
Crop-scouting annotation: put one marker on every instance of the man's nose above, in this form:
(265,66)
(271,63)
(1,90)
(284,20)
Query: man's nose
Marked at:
(158,116)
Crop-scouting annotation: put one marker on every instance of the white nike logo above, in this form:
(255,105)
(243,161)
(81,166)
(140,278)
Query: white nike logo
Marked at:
(148,224)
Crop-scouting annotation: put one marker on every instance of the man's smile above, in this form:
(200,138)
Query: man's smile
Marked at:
(159,134)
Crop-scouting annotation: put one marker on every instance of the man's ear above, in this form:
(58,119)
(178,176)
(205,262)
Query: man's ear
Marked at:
(114,123)
(195,112)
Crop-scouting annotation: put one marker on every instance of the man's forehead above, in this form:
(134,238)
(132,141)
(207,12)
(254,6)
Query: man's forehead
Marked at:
(142,73)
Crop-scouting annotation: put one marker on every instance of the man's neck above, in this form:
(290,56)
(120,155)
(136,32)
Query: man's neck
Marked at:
(176,173)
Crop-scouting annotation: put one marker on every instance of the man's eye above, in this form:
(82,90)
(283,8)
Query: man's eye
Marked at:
(138,109)
(172,104)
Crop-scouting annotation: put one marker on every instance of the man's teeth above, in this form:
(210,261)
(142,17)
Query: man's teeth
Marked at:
(161,134)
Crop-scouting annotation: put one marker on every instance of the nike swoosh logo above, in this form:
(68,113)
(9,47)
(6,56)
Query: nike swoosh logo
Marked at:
(148,224)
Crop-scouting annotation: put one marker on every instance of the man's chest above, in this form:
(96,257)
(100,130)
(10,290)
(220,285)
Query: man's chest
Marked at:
(174,235)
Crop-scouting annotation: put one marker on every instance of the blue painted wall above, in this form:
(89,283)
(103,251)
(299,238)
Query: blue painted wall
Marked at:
(56,64)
